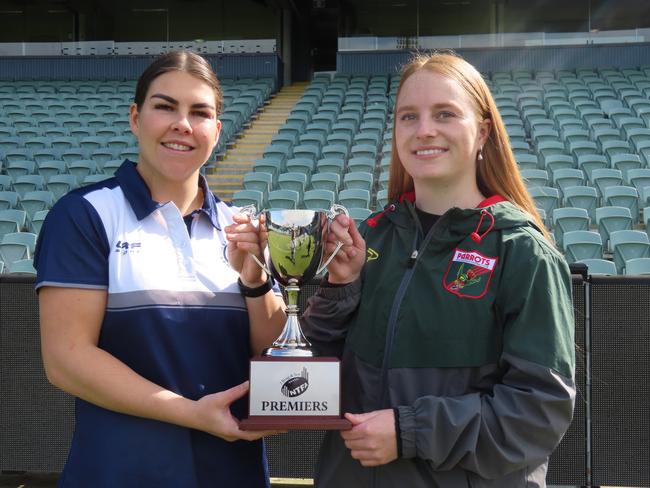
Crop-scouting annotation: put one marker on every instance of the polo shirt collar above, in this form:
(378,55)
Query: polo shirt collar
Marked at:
(139,197)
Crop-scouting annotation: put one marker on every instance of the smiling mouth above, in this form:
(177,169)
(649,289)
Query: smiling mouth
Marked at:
(177,147)
(430,152)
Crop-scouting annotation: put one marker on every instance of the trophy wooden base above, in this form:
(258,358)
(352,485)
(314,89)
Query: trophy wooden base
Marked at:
(295,423)
(295,393)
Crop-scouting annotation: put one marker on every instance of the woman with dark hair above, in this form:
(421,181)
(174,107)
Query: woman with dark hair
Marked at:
(151,305)
(456,333)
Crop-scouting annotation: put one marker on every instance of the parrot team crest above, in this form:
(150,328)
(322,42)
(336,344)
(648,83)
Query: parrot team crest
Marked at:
(469,274)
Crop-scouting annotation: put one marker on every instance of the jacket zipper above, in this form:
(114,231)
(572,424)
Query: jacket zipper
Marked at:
(392,321)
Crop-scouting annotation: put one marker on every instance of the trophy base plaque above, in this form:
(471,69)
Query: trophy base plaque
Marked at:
(295,393)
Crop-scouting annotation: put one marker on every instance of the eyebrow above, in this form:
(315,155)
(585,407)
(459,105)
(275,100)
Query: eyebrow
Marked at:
(435,105)
(173,101)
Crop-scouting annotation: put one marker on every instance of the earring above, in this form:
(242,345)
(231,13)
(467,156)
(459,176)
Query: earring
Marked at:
(480,155)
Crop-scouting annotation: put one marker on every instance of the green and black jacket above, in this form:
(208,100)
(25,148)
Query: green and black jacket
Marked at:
(468,333)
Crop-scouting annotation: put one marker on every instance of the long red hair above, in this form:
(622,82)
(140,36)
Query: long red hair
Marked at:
(497,173)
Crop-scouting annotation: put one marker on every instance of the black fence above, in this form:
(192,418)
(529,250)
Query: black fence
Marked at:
(608,442)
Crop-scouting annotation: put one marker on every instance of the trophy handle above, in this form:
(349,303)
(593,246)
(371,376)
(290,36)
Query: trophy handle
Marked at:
(333,212)
(251,211)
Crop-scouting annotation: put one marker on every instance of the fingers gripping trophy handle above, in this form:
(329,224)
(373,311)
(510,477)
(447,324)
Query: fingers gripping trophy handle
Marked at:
(252,212)
(333,212)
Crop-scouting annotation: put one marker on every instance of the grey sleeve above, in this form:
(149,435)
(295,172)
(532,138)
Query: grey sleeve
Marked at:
(328,314)
(518,424)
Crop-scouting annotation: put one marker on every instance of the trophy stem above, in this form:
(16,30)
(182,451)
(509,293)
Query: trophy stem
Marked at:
(291,341)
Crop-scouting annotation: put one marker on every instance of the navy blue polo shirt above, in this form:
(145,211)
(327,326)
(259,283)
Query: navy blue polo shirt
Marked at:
(174,315)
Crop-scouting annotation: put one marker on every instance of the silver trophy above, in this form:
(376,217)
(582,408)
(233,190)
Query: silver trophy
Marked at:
(296,241)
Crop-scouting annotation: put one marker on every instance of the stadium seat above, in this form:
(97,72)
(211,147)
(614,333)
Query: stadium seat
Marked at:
(34,201)
(354,198)
(638,178)
(558,161)
(6,181)
(363,150)
(338,151)
(623,196)
(258,180)
(637,266)
(547,198)
(590,162)
(296,181)
(358,179)
(26,183)
(81,168)
(361,163)
(51,167)
(534,177)
(582,244)
(61,184)
(567,219)
(331,165)
(287,199)
(37,221)
(526,161)
(16,246)
(567,177)
(611,219)
(326,181)
(604,178)
(628,244)
(20,167)
(243,198)
(318,199)
(9,199)
(22,266)
(303,165)
(359,214)
(599,267)
(12,220)
(625,162)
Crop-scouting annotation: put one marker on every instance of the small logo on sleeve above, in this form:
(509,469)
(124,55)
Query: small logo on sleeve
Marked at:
(125,247)
(469,274)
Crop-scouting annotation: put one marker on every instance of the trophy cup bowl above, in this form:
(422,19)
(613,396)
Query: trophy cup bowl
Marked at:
(280,397)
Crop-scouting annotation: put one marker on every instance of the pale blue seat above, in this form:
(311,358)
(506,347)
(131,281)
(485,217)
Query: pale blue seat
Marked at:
(534,177)
(22,266)
(637,266)
(61,184)
(319,199)
(9,199)
(545,197)
(12,220)
(611,219)
(283,199)
(326,181)
(567,219)
(599,267)
(628,244)
(582,244)
(242,198)
(331,165)
(604,178)
(37,221)
(358,179)
(258,180)
(296,181)
(567,177)
(623,196)
(354,198)
(590,162)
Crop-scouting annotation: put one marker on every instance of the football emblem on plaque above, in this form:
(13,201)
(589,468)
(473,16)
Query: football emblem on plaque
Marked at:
(291,387)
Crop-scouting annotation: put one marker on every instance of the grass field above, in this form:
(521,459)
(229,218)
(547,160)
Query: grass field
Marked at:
(291,256)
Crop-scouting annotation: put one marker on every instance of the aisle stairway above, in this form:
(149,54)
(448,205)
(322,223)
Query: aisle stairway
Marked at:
(226,176)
